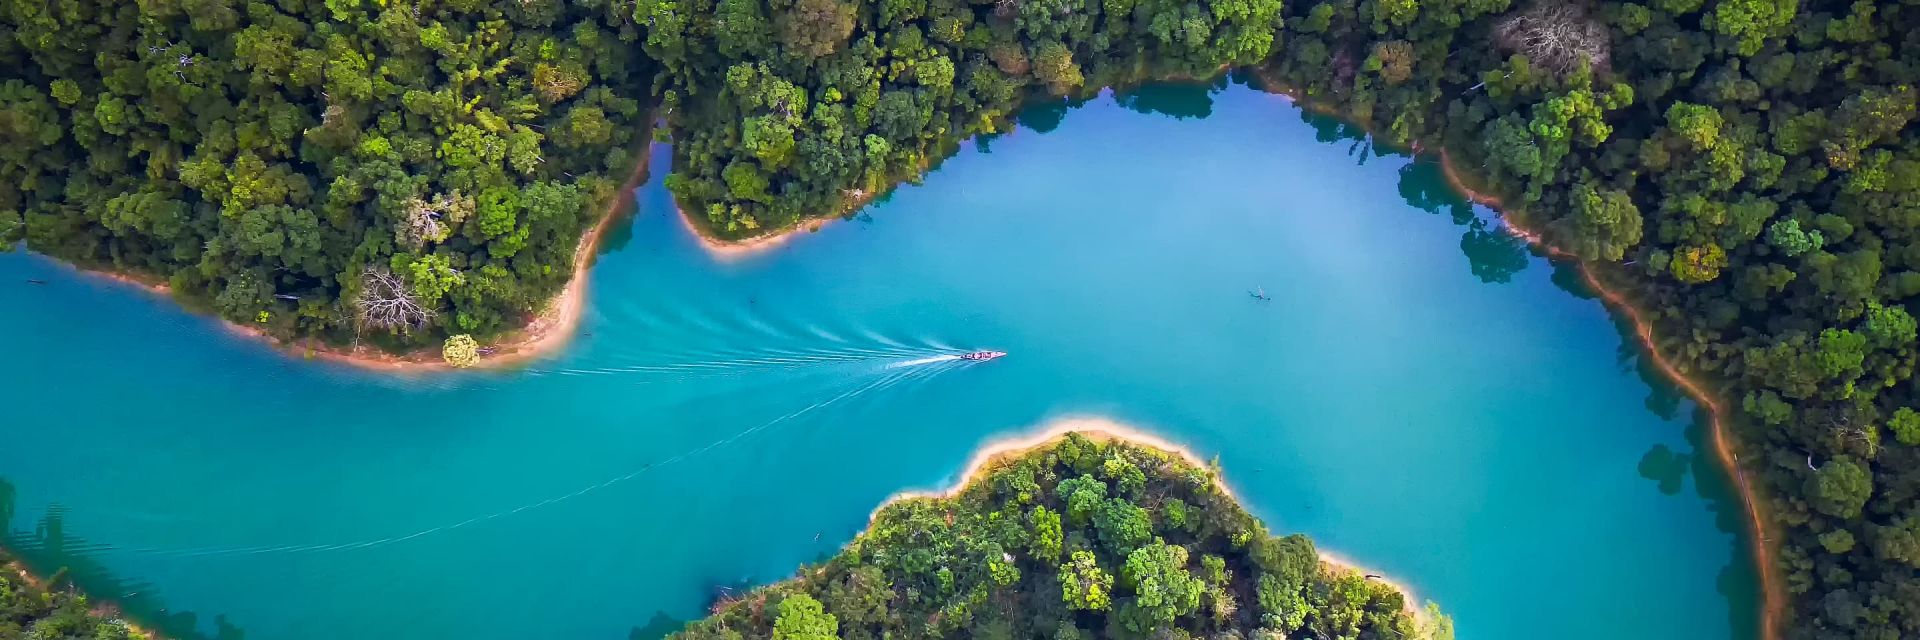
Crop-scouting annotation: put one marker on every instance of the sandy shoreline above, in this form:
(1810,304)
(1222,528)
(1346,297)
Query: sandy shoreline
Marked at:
(1100,429)
(555,327)
(730,250)
(1773,596)
(101,608)
(552,328)
(724,250)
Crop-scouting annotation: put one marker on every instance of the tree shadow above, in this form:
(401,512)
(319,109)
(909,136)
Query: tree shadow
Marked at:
(1180,100)
(50,549)
(660,626)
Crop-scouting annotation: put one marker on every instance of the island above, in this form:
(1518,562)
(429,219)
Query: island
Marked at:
(1075,535)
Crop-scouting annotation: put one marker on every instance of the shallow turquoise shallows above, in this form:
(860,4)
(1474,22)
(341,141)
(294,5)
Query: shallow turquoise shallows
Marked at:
(1420,395)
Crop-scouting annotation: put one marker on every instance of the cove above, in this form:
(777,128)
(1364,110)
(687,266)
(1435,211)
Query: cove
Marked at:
(1421,395)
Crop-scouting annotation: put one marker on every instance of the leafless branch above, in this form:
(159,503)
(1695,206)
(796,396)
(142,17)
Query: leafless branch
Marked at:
(1556,35)
(385,303)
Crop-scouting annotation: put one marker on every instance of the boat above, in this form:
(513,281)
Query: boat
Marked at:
(982,356)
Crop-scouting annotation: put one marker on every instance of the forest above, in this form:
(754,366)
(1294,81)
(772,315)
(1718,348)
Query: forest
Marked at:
(388,171)
(28,610)
(410,171)
(1744,168)
(1077,538)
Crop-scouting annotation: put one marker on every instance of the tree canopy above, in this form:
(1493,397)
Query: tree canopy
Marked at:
(30,610)
(993,561)
(409,171)
(400,171)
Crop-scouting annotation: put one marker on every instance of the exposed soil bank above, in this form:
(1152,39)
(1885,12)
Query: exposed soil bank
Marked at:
(549,330)
(1773,596)
(102,609)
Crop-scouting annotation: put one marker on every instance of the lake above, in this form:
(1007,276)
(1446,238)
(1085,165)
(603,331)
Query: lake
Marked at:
(1420,394)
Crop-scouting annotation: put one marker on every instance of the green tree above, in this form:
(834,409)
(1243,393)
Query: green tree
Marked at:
(1123,525)
(1787,236)
(1047,536)
(1084,585)
(1163,589)
(803,618)
(1840,487)
(1905,425)
(816,27)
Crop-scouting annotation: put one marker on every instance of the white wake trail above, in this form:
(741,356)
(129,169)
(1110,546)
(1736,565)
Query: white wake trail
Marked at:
(923,361)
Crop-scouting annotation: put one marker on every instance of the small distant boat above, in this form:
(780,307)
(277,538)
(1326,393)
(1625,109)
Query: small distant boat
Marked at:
(1260,293)
(982,356)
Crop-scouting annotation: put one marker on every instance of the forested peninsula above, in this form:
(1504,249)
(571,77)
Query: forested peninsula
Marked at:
(1082,535)
(407,172)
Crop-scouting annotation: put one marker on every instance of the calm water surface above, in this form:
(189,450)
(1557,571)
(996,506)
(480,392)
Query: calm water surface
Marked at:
(1420,395)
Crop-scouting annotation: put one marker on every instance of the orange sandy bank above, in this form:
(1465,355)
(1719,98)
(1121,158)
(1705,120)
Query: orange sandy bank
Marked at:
(102,609)
(727,250)
(548,331)
(1774,599)
(1099,429)
(1773,595)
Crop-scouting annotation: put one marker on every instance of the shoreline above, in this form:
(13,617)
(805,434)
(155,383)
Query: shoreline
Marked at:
(104,609)
(554,327)
(1772,598)
(723,250)
(994,452)
(550,329)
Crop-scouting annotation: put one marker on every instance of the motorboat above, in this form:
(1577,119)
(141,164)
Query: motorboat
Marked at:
(982,356)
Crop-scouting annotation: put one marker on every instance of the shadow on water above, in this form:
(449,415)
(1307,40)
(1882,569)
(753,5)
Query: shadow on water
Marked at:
(1494,256)
(1179,100)
(49,549)
(660,626)
(1669,469)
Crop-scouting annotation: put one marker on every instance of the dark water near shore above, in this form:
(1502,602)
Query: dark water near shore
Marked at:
(1420,395)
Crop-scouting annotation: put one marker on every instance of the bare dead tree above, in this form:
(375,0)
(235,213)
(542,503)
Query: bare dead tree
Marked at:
(385,303)
(1556,35)
(1844,428)
(431,220)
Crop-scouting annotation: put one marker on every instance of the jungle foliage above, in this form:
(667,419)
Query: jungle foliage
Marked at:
(422,169)
(398,170)
(1075,539)
(789,109)
(1745,167)
(1747,170)
(28,610)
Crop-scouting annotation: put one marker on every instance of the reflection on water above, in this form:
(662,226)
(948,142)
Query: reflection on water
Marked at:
(50,550)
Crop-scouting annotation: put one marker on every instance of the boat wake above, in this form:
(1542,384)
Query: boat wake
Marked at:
(923,361)
(878,380)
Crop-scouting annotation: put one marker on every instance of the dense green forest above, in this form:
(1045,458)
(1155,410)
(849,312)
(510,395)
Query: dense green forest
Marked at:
(398,171)
(794,108)
(1076,538)
(28,611)
(408,170)
(1745,167)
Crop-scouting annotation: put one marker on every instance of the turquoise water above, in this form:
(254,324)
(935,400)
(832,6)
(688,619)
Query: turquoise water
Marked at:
(1420,395)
